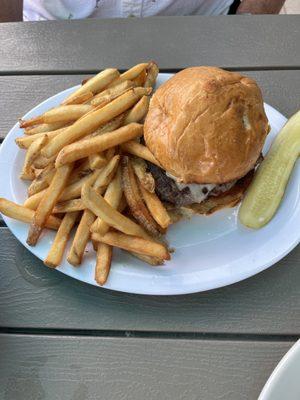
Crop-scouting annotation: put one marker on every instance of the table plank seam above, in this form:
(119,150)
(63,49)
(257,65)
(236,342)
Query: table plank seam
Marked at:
(244,337)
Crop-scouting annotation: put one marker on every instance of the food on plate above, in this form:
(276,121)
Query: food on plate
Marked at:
(206,127)
(267,189)
(120,168)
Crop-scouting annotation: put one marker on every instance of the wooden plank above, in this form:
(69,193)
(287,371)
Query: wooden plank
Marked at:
(57,367)
(176,42)
(33,296)
(21,93)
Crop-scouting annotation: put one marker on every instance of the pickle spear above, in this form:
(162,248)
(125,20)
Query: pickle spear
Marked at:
(267,188)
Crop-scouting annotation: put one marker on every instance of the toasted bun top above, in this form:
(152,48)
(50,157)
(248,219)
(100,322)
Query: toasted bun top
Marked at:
(206,125)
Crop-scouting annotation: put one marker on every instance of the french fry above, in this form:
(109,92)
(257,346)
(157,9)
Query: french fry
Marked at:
(133,244)
(97,160)
(72,191)
(156,208)
(56,252)
(152,72)
(68,206)
(47,203)
(113,196)
(138,112)
(148,259)
(96,83)
(135,200)
(110,126)
(79,172)
(44,128)
(25,141)
(31,155)
(103,263)
(112,217)
(42,181)
(106,173)
(81,238)
(110,153)
(78,150)
(134,72)
(89,123)
(80,99)
(139,150)
(58,114)
(21,213)
(41,162)
(111,93)
(146,179)
(141,78)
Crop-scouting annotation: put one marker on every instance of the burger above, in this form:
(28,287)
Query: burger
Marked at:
(206,127)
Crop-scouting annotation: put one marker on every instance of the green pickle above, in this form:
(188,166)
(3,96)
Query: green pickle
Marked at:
(268,186)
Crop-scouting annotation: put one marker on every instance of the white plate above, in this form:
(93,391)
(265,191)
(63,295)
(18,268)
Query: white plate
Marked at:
(210,251)
(284,383)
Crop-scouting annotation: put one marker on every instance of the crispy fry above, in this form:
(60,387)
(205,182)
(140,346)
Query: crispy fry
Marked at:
(58,114)
(56,252)
(103,263)
(97,160)
(110,153)
(113,196)
(79,172)
(111,93)
(80,99)
(44,128)
(138,112)
(42,181)
(25,141)
(106,173)
(139,150)
(41,162)
(156,208)
(96,83)
(134,244)
(154,261)
(134,72)
(112,217)
(31,155)
(134,198)
(81,238)
(141,78)
(152,72)
(76,151)
(92,121)
(47,203)
(146,179)
(21,213)
(68,206)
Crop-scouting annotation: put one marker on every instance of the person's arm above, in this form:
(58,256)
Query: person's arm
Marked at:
(11,10)
(260,6)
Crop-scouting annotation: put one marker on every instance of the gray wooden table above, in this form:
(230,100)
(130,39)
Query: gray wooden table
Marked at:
(62,339)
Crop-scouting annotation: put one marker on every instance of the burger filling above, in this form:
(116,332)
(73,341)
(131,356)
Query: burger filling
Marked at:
(181,194)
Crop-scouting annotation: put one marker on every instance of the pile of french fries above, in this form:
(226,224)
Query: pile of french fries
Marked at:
(87,169)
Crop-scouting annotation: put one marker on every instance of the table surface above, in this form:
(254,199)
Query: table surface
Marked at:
(62,339)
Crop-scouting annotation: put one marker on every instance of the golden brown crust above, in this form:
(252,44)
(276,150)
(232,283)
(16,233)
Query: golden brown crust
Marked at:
(206,125)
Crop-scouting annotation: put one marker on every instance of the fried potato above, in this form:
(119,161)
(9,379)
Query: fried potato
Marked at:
(81,238)
(56,251)
(47,203)
(133,244)
(103,263)
(139,111)
(42,181)
(152,72)
(24,142)
(68,206)
(44,128)
(156,208)
(140,169)
(21,213)
(78,150)
(134,199)
(58,114)
(31,155)
(96,83)
(139,150)
(80,98)
(134,72)
(110,94)
(89,123)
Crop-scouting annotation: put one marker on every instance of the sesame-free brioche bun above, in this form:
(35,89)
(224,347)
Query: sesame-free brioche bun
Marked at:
(206,125)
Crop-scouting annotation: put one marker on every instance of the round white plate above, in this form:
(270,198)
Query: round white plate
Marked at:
(210,252)
(284,383)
